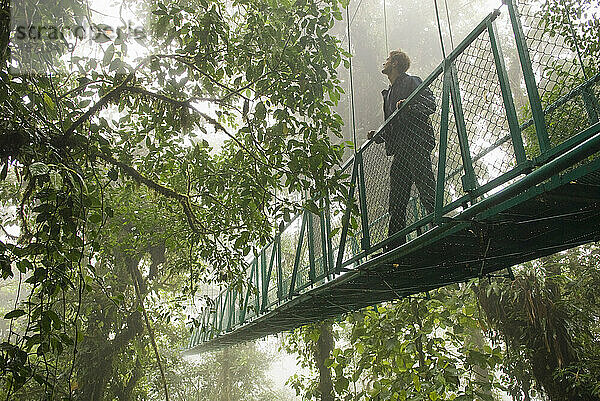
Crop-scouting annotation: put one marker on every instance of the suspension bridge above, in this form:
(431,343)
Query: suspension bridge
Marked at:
(511,185)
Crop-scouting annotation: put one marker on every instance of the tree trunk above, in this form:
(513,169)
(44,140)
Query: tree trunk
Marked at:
(323,350)
(482,373)
(226,392)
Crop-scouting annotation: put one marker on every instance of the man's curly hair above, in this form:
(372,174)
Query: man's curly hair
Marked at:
(401,59)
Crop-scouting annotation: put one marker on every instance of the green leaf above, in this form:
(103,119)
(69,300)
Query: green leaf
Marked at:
(50,105)
(113,174)
(14,314)
(260,112)
(56,180)
(55,318)
(108,55)
(95,218)
(100,36)
(341,384)
(38,168)
(45,322)
(23,265)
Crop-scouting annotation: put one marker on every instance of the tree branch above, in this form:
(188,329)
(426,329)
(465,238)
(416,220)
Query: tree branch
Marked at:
(161,189)
(136,285)
(98,105)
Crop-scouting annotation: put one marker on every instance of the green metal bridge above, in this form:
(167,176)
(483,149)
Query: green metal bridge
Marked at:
(511,185)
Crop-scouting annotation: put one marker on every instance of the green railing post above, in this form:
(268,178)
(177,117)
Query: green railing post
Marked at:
(297,258)
(233,303)
(192,341)
(271,263)
(231,317)
(279,270)
(223,304)
(441,170)
(214,327)
(228,310)
(329,261)
(364,215)
(346,218)
(207,325)
(227,317)
(203,329)
(240,317)
(257,286)
(507,97)
(311,249)
(469,181)
(247,299)
(323,232)
(263,277)
(530,83)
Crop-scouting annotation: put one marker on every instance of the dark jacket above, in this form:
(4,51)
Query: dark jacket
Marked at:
(410,129)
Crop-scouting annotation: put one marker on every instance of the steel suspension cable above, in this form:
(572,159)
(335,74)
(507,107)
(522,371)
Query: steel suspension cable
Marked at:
(387,48)
(449,24)
(566,11)
(351,82)
(353,17)
(439,24)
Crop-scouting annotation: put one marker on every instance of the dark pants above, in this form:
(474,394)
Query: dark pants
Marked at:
(407,169)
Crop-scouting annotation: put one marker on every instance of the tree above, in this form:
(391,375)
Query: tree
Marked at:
(412,349)
(235,373)
(548,319)
(115,184)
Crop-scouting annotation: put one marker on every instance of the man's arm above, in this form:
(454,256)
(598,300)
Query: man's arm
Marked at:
(424,103)
(427,101)
(378,138)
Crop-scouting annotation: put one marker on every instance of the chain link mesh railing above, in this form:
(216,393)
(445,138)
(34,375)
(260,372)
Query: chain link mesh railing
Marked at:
(555,33)
(484,110)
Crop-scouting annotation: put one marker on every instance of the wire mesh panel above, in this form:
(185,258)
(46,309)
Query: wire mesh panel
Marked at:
(316,230)
(376,164)
(336,214)
(484,111)
(355,230)
(302,276)
(289,244)
(251,292)
(271,274)
(562,58)
(454,170)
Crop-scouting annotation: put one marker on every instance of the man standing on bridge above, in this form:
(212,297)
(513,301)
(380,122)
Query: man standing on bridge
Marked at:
(409,139)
